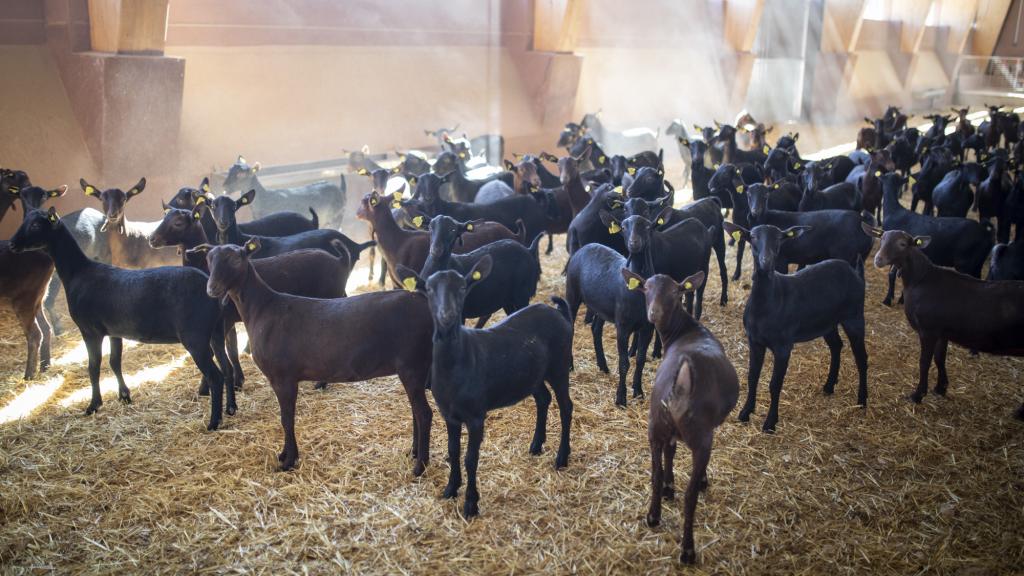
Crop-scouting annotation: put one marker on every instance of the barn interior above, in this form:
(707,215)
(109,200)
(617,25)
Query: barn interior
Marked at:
(106,92)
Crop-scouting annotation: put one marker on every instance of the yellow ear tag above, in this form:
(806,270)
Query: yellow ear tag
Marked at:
(395,170)
(89,190)
(632,283)
(687,285)
(614,228)
(715,166)
(618,190)
(200,200)
(244,200)
(587,189)
(913,181)
(195,215)
(631,170)
(790,234)
(739,189)
(462,154)
(251,246)
(736,235)
(797,165)
(53,217)
(918,241)
(469,227)
(661,221)
(206,187)
(410,283)
(878,173)
(601,160)
(767,149)
(476,275)
(373,201)
(775,187)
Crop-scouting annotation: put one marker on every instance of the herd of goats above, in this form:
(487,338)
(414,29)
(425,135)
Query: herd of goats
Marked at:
(457,247)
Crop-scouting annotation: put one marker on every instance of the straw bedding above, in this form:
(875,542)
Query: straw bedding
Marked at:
(898,488)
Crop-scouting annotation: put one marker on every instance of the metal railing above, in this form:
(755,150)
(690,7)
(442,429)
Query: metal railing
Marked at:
(983,73)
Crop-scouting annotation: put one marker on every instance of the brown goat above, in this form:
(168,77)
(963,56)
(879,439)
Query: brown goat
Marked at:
(409,247)
(312,273)
(866,138)
(695,389)
(129,241)
(23,281)
(355,338)
(943,306)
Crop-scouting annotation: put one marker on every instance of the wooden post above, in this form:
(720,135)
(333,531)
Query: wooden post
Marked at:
(128,26)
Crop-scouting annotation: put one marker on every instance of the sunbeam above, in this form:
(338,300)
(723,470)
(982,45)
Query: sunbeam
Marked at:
(30,399)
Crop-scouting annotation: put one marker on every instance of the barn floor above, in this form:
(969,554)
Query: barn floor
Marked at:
(896,488)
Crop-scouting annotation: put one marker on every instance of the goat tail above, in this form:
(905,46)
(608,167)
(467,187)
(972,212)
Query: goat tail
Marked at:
(341,251)
(868,217)
(563,307)
(358,248)
(677,403)
(535,248)
(315,218)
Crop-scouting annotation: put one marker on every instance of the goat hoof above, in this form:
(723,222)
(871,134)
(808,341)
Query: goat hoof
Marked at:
(230,410)
(668,493)
(744,416)
(238,386)
(1019,415)
(213,425)
(702,486)
(638,393)
(536,448)
(470,509)
(419,468)
(125,398)
(887,302)
(286,466)
(939,391)
(653,519)
(620,401)
(829,389)
(450,492)
(320,386)
(204,391)
(93,408)
(768,427)
(688,556)
(915,398)
(603,369)
(561,462)
(44,365)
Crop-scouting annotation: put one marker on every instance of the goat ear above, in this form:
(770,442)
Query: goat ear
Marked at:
(164,206)
(255,167)
(664,216)
(796,136)
(692,282)
(794,232)
(609,220)
(137,189)
(479,271)
(89,189)
(58,192)
(470,226)
(201,249)
(200,197)
(870,230)
(52,216)
(509,165)
(737,232)
(633,280)
(246,198)
(205,185)
(197,212)
(251,246)
(363,172)
(410,280)
(922,241)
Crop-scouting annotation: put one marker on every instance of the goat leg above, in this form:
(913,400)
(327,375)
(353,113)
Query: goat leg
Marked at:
(94,347)
(753,375)
(657,483)
(940,364)
(835,348)
(454,448)
(781,364)
(701,456)
(928,343)
(116,348)
(476,437)
(286,393)
(543,399)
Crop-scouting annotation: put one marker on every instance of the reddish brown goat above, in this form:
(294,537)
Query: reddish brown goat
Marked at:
(409,247)
(695,389)
(866,138)
(23,281)
(312,273)
(944,306)
(356,338)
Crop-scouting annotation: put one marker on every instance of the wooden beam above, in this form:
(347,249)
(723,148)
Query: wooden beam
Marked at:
(128,26)
(842,21)
(555,25)
(988,23)
(742,19)
(912,14)
(958,17)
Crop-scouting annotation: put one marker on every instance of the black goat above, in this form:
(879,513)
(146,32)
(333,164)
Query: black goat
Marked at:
(1007,262)
(829,234)
(273,224)
(476,371)
(958,242)
(511,284)
(157,305)
(326,197)
(785,309)
(587,227)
